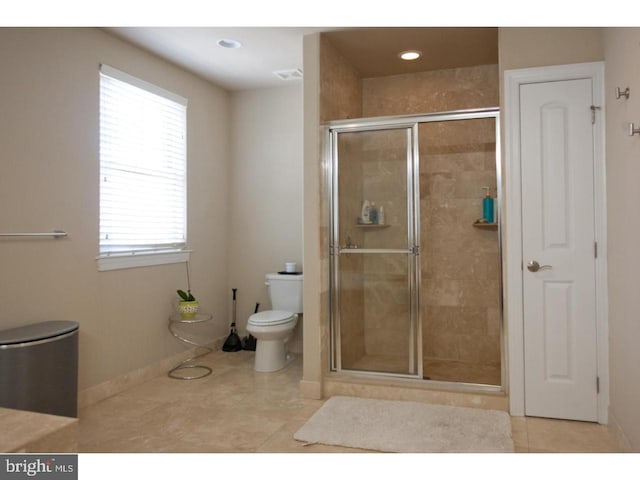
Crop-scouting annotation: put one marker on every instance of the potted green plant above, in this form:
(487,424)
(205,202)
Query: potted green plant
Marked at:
(188,305)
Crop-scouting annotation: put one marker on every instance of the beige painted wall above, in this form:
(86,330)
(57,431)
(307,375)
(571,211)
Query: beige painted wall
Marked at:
(265,202)
(49,134)
(622,54)
(310,386)
(536,47)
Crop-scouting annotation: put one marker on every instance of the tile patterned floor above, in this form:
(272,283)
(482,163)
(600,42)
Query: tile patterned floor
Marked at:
(239,410)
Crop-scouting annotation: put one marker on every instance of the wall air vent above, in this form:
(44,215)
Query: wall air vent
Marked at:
(293,74)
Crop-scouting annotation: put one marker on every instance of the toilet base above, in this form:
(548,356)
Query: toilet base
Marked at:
(271,356)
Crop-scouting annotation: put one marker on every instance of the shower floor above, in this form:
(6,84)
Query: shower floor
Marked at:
(433,369)
(455,371)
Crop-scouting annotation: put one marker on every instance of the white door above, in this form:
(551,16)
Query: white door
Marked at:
(558,232)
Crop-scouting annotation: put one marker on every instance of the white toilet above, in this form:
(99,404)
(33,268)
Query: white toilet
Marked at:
(272,328)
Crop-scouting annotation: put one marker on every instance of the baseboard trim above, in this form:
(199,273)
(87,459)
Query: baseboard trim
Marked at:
(112,387)
(310,390)
(621,438)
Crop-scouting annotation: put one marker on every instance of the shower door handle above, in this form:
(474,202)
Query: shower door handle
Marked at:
(534,266)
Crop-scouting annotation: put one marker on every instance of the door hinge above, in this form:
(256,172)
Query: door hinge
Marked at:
(595,249)
(593,113)
(597,384)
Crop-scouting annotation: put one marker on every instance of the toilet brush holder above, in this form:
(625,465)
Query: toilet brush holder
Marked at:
(249,342)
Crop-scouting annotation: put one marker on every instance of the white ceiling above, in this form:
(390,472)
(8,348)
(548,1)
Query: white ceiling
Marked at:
(264,50)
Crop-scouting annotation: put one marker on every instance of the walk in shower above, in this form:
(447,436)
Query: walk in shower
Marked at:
(415,291)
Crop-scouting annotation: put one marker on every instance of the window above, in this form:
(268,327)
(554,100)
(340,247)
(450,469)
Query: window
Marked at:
(142,173)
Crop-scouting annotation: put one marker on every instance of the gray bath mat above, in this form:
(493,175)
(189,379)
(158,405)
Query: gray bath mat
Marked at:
(407,427)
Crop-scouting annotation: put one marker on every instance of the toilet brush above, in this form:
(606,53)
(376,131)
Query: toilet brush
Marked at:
(233,342)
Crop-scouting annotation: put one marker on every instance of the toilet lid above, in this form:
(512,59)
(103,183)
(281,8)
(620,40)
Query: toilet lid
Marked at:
(271,317)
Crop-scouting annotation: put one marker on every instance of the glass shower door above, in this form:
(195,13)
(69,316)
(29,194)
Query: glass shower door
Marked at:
(374,268)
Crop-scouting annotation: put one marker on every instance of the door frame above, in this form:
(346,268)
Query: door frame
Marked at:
(512,240)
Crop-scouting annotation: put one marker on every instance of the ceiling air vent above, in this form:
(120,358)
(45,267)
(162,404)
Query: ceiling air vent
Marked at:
(294,74)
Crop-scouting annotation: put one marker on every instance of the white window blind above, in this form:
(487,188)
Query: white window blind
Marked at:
(142,166)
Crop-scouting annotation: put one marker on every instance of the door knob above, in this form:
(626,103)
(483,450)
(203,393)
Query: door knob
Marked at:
(534,266)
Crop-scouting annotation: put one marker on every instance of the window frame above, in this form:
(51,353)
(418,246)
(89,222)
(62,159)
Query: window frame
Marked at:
(145,255)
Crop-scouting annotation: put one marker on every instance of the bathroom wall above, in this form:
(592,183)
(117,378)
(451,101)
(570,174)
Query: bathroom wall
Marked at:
(622,53)
(460,264)
(315,338)
(435,91)
(523,47)
(340,85)
(265,194)
(49,141)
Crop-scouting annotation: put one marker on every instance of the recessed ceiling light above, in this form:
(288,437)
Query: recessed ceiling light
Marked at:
(229,43)
(410,55)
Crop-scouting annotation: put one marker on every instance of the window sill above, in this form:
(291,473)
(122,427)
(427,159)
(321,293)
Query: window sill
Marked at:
(116,261)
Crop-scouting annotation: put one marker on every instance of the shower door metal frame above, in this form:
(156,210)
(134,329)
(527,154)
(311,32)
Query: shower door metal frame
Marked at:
(412,250)
(410,122)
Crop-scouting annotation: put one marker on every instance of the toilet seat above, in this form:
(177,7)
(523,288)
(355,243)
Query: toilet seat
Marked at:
(271,317)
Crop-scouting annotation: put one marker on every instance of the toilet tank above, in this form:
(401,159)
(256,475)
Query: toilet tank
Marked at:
(285,292)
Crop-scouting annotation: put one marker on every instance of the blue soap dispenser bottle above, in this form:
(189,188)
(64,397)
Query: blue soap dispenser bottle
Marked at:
(487,206)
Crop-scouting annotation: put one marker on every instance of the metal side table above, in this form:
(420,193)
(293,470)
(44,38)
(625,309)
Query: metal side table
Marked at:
(175,320)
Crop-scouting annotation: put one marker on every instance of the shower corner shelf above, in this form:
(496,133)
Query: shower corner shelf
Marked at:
(485,226)
(372,225)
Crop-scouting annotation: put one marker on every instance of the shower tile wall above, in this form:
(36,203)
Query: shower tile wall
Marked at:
(460,264)
(340,85)
(436,91)
(352,303)
(386,294)
(460,331)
